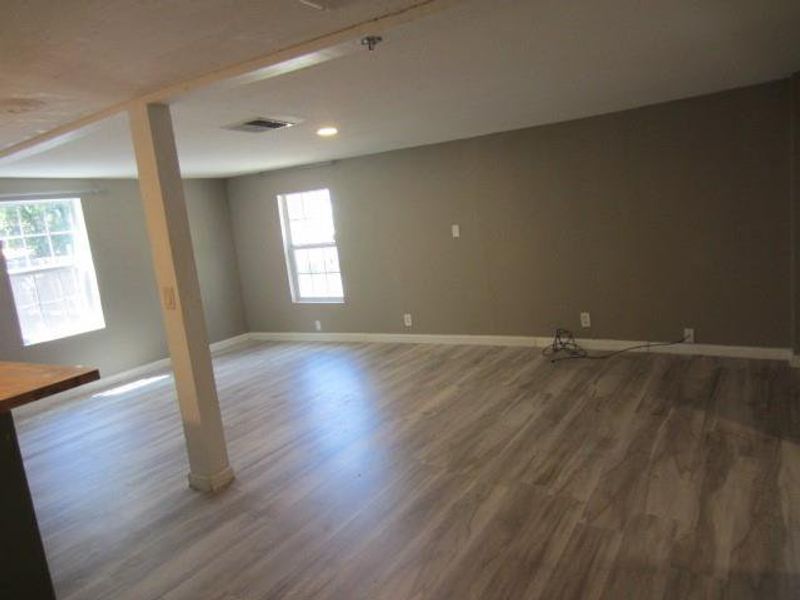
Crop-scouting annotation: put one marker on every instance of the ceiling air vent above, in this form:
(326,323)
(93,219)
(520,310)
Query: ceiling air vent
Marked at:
(260,125)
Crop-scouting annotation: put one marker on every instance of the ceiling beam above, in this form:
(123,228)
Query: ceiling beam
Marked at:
(298,56)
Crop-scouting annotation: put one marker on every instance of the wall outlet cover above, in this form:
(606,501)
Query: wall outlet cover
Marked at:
(586,320)
(688,335)
(318,325)
(407,320)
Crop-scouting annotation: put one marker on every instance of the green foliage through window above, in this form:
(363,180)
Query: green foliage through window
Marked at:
(46,250)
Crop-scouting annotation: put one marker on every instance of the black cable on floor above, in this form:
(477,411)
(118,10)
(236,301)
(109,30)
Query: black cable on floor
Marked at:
(564,347)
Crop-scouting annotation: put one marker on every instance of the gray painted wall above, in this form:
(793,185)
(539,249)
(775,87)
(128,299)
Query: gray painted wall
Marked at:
(669,216)
(115,222)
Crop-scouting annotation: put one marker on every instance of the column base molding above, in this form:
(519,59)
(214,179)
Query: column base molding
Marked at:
(211,483)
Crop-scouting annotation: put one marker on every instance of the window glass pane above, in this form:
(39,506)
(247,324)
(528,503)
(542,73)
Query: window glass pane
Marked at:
(58,317)
(316,260)
(32,215)
(15,254)
(48,287)
(308,232)
(320,283)
(306,288)
(53,284)
(9,224)
(39,250)
(310,219)
(294,204)
(301,261)
(31,323)
(317,205)
(24,289)
(59,216)
(335,285)
(331,260)
(320,232)
(300,233)
(62,244)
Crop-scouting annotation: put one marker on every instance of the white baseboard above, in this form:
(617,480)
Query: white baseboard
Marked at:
(755,352)
(227,344)
(222,346)
(397,338)
(109,381)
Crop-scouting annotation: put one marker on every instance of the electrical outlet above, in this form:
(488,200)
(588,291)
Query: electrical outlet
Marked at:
(586,320)
(169,298)
(456,230)
(318,325)
(688,336)
(407,319)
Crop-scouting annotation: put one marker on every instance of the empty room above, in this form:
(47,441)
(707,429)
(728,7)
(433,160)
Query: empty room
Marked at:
(399,299)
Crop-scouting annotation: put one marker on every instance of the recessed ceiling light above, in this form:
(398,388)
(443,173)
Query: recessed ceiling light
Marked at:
(327,131)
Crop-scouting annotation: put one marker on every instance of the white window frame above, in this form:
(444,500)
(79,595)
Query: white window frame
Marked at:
(79,233)
(289,247)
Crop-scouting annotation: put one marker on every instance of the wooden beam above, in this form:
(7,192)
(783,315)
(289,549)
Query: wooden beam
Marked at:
(182,307)
(291,58)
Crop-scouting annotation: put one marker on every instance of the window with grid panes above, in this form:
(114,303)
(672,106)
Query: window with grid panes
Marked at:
(309,239)
(50,267)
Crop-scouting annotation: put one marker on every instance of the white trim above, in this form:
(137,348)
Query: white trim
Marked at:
(755,352)
(211,483)
(229,343)
(222,346)
(110,381)
(397,338)
(43,196)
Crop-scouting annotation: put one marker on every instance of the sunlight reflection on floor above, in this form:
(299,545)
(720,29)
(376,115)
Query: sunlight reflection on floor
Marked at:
(129,387)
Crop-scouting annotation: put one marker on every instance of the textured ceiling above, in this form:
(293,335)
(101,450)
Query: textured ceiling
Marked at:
(64,59)
(473,69)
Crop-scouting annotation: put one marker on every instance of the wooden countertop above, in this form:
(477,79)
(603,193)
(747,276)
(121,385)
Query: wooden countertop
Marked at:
(21,383)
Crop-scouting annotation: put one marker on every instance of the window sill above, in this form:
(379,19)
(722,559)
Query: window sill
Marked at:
(318,301)
(63,335)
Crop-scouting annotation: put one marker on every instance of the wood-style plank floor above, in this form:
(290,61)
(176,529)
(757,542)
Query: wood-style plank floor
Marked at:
(415,471)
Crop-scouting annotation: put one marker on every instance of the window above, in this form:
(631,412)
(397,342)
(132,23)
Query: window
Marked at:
(309,240)
(50,267)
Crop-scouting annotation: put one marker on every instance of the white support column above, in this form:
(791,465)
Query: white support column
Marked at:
(182,307)
(794,191)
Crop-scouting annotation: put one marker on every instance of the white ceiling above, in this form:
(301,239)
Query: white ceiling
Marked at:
(65,59)
(477,68)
